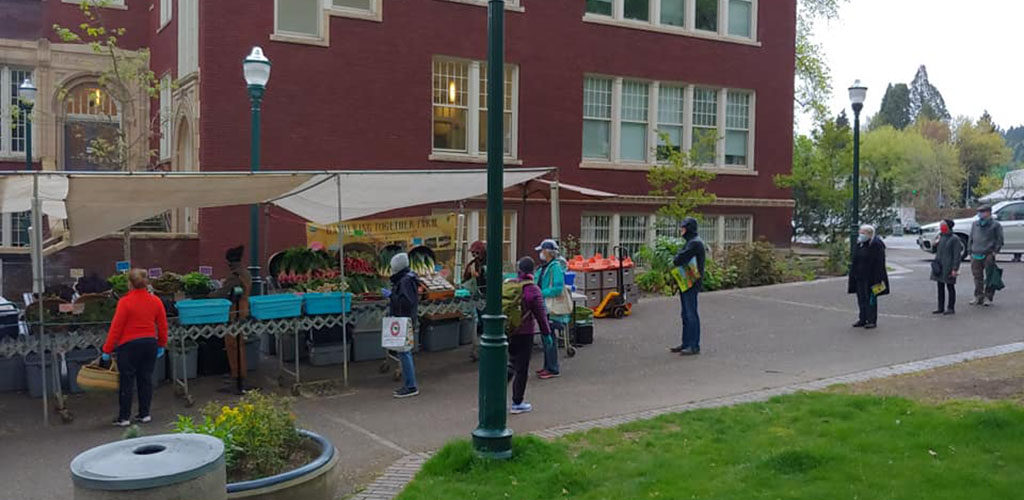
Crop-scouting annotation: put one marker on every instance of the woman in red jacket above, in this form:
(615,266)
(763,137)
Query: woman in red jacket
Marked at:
(138,335)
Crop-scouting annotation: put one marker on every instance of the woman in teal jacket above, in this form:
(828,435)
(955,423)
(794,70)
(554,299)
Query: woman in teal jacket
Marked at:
(551,280)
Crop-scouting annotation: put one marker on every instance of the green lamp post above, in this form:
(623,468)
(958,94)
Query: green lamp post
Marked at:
(858,93)
(27,99)
(492,437)
(256,68)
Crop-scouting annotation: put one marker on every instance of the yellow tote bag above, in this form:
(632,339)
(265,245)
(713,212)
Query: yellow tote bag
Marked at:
(93,377)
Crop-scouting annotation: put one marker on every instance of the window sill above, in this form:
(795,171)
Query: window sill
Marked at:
(163,25)
(363,15)
(302,40)
(482,3)
(465,158)
(158,236)
(14,250)
(112,5)
(668,30)
(17,157)
(644,167)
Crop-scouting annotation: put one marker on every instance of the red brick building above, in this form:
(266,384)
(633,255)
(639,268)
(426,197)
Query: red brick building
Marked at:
(400,84)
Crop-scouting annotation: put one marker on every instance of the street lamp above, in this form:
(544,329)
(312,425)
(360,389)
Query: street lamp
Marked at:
(858,93)
(492,438)
(27,99)
(256,68)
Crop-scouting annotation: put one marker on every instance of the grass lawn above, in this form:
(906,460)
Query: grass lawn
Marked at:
(820,446)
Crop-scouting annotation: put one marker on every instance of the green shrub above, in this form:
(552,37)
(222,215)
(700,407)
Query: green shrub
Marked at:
(756,264)
(119,283)
(196,284)
(837,257)
(718,276)
(656,277)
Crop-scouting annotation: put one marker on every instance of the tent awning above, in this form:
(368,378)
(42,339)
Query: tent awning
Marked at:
(542,187)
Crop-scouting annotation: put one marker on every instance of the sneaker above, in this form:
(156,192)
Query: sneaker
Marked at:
(690,351)
(677,349)
(977,301)
(121,423)
(859,324)
(541,371)
(938,311)
(144,420)
(870,326)
(523,407)
(544,375)
(406,392)
(949,312)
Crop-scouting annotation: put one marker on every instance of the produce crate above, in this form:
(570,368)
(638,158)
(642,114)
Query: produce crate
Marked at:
(203,311)
(441,335)
(628,276)
(76,359)
(327,354)
(591,281)
(632,293)
(12,374)
(285,305)
(366,345)
(610,279)
(327,303)
(594,298)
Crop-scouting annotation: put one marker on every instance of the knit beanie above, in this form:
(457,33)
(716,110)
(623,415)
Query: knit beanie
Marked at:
(399,262)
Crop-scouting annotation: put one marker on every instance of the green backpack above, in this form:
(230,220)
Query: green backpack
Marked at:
(512,303)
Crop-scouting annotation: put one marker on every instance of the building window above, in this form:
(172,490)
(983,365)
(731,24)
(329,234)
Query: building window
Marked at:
(165,117)
(597,118)
(14,229)
(705,124)
(707,229)
(737,128)
(634,232)
(188,37)
(671,120)
(91,121)
(475,229)
(165,12)
(736,230)
(12,120)
(363,5)
(460,108)
(595,235)
(599,7)
(717,231)
(301,18)
(719,19)
(635,95)
(602,233)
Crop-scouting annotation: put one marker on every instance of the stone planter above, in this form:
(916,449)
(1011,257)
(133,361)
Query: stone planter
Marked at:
(313,481)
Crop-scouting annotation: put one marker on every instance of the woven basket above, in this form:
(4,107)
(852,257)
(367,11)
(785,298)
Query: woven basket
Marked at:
(93,377)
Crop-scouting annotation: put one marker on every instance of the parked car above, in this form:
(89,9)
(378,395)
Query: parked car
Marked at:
(911,227)
(1009,213)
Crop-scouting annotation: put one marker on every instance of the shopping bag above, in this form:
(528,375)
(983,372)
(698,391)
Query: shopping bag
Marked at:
(878,289)
(994,277)
(686,276)
(93,377)
(396,334)
(559,305)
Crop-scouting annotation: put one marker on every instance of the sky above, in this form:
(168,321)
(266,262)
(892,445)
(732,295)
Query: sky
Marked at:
(971,50)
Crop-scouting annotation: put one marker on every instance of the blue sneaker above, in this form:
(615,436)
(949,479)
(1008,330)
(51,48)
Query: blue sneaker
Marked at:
(523,407)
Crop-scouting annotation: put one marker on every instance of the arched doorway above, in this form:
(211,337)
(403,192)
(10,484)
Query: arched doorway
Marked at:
(92,123)
(184,161)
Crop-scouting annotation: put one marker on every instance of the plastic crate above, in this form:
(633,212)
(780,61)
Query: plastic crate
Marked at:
(285,305)
(328,354)
(441,335)
(327,303)
(203,311)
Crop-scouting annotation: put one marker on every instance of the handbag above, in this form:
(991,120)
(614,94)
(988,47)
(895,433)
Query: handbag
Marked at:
(93,377)
(560,305)
(936,269)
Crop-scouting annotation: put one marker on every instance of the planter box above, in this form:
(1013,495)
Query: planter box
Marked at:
(366,346)
(327,354)
(285,305)
(441,336)
(12,374)
(191,360)
(316,480)
(327,303)
(203,311)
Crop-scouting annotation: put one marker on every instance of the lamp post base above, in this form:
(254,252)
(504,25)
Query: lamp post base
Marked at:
(494,444)
(257,282)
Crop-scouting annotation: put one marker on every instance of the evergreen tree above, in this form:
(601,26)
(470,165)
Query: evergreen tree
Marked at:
(925,100)
(895,109)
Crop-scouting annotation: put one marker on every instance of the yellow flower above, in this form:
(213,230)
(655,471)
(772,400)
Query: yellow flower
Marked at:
(225,409)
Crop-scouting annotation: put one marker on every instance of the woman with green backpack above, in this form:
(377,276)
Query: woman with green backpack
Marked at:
(523,304)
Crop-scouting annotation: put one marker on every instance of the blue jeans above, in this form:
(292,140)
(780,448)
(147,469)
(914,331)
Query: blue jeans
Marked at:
(550,343)
(691,319)
(408,369)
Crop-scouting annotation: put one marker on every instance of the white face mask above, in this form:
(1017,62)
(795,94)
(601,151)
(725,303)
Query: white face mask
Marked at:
(861,237)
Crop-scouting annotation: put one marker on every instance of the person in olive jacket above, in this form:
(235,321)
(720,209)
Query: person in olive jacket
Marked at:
(868,276)
(946,267)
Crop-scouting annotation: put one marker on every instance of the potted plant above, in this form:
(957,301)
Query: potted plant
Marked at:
(267,456)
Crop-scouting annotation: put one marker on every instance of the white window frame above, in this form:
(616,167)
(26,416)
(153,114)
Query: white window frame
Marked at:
(326,11)
(7,233)
(7,109)
(165,117)
(617,18)
(166,13)
(473,128)
(471,231)
(373,14)
(188,37)
(617,162)
(511,5)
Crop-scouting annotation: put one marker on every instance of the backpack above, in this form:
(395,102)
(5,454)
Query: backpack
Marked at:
(512,303)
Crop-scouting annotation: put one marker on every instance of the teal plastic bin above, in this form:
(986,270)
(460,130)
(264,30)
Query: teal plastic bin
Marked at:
(203,311)
(328,303)
(285,305)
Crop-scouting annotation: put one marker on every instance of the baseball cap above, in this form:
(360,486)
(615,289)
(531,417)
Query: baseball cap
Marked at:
(547,244)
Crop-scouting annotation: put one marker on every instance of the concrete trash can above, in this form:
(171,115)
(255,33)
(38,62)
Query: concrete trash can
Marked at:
(162,467)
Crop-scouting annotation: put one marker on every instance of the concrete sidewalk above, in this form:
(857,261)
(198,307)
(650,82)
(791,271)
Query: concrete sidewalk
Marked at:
(753,339)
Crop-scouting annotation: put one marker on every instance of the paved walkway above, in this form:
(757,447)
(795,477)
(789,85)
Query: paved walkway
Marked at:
(754,340)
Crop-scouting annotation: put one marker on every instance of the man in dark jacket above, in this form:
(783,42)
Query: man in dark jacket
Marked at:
(985,242)
(946,267)
(404,303)
(868,276)
(693,249)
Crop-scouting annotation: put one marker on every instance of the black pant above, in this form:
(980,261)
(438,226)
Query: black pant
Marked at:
(943,287)
(867,303)
(135,362)
(520,348)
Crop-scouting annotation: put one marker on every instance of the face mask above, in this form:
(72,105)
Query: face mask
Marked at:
(861,237)
(944,228)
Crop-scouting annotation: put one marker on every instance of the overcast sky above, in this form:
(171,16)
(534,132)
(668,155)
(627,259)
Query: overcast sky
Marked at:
(971,49)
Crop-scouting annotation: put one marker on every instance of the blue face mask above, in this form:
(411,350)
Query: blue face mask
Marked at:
(861,237)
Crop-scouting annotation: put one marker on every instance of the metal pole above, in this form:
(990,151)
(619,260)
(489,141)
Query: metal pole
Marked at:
(341,263)
(28,136)
(256,97)
(855,220)
(38,285)
(556,221)
(492,437)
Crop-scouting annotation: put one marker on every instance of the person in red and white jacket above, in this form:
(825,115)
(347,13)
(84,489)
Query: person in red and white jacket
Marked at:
(138,336)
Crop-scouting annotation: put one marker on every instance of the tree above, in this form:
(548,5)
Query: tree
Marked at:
(980,148)
(822,165)
(1015,140)
(923,172)
(677,179)
(813,77)
(895,109)
(925,99)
